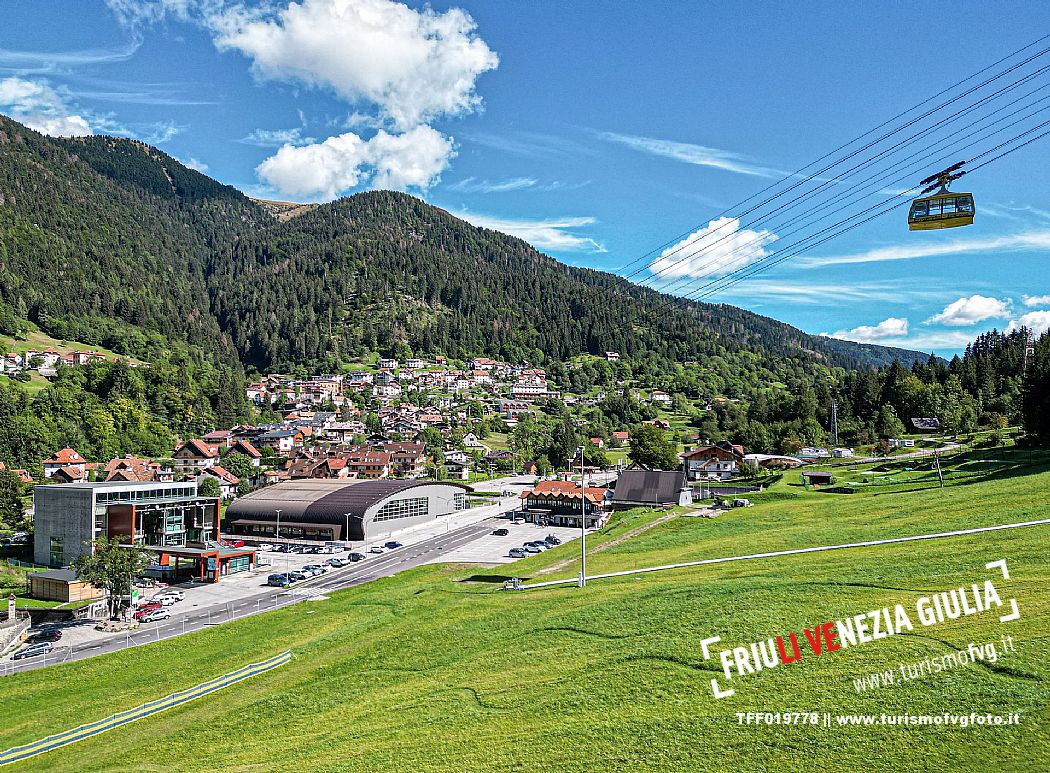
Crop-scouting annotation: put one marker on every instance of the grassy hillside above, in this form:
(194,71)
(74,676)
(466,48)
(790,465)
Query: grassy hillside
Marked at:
(437,670)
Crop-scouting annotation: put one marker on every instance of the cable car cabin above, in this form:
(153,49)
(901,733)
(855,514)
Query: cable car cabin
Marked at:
(941,210)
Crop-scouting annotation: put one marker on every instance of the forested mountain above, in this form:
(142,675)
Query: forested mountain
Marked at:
(383,271)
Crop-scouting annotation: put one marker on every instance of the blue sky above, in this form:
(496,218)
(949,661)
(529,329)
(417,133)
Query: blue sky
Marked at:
(596,131)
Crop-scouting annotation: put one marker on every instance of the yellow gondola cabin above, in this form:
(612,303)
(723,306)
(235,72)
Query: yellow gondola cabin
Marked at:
(943,209)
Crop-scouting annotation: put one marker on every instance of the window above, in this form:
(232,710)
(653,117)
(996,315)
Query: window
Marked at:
(403,508)
(919,209)
(57,553)
(964,204)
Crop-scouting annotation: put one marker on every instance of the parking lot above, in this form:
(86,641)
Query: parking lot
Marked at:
(491,549)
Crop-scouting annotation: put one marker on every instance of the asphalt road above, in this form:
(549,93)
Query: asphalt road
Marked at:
(373,567)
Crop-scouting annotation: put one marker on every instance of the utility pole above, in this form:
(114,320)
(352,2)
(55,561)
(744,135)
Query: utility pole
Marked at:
(278,533)
(834,421)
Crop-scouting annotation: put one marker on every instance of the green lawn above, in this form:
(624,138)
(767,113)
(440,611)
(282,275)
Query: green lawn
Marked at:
(436,669)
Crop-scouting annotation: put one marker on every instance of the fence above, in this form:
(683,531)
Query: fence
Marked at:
(516,584)
(18,753)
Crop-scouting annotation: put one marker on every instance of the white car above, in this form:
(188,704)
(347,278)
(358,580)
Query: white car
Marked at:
(174,593)
(155,615)
(166,600)
(377,549)
(266,546)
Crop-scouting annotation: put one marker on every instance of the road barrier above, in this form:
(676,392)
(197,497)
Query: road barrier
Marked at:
(18,753)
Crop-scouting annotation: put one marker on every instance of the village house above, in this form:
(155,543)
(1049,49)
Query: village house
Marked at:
(718,461)
(227,481)
(660,397)
(282,441)
(195,454)
(66,459)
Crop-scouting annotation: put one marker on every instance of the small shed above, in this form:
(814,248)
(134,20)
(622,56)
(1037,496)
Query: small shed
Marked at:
(61,585)
(818,478)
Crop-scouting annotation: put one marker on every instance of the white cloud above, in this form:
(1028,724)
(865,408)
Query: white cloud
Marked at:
(699,155)
(970,311)
(275,138)
(1036,300)
(199,166)
(1036,321)
(716,249)
(473,185)
(892,327)
(40,107)
(826,294)
(414,159)
(1032,240)
(414,65)
(552,234)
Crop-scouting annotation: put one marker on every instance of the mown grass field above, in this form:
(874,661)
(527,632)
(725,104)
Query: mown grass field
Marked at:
(436,669)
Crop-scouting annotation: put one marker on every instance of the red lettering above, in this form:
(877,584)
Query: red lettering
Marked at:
(829,636)
(814,640)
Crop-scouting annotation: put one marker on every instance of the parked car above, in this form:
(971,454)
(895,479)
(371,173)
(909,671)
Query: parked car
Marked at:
(532,549)
(316,569)
(500,533)
(296,576)
(377,549)
(47,635)
(393,545)
(518,553)
(335,562)
(327,549)
(32,651)
(154,615)
(277,580)
(356,556)
(176,593)
(167,601)
(232,543)
(266,546)
(280,548)
(146,610)
(550,539)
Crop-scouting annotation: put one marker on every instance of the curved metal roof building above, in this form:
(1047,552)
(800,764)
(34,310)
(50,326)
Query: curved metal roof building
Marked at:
(342,509)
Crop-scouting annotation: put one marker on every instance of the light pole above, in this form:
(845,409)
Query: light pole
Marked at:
(583,522)
(278,534)
(346,537)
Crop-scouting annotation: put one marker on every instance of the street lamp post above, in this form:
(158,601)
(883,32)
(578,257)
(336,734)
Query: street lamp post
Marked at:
(583,522)
(347,532)
(278,534)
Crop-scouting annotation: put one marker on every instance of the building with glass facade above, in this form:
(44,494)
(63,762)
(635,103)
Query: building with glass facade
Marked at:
(169,519)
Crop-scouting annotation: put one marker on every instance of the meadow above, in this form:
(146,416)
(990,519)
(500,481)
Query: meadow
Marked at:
(438,670)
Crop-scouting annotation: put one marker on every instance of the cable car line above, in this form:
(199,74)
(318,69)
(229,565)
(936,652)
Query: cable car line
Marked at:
(762,268)
(718,284)
(865,134)
(886,153)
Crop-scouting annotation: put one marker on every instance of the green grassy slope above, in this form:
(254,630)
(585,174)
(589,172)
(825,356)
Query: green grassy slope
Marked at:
(425,672)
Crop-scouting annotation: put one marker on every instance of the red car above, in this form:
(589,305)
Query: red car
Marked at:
(145,610)
(233,543)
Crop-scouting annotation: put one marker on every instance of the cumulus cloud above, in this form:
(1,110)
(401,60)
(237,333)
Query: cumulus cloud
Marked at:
(40,107)
(892,327)
(1036,300)
(1036,321)
(553,234)
(970,311)
(194,164)
(414,65)
(414,159)
(716,249)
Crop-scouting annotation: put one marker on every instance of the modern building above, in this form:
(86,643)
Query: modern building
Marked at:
(352,510)
(154,515)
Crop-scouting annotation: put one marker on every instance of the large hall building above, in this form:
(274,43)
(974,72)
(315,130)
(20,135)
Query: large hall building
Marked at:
(346,510)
